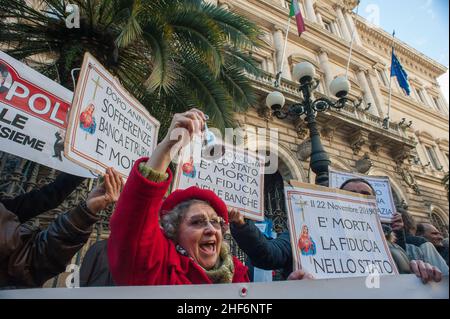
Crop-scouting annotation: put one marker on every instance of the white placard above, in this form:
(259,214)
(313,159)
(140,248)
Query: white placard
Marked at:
(33,116)
(392,287)
(336,234)
(107,126)
(381,185)
(237,178)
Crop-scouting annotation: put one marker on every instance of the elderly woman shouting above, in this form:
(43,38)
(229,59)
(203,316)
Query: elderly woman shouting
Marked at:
(175,242)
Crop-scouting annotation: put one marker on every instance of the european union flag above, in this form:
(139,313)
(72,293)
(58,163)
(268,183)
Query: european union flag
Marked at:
(398,71)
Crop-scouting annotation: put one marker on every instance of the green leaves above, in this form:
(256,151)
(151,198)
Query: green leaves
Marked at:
(171,54)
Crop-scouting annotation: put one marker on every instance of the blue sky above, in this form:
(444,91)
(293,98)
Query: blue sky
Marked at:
(422,24)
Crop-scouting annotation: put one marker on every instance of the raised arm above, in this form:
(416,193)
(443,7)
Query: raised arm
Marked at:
(37,256)
(48,197)
(264,253)
(137,245)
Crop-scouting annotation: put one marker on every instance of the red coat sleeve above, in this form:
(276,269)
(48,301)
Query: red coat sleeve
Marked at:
(137,247)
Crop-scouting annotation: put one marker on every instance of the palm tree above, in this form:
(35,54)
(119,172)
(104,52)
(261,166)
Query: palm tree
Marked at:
(171,54)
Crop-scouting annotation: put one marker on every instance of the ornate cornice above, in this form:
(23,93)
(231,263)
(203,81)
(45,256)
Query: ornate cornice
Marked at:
(322,50)
(403,50)
(400,154)
(349,5)
(357,140)
(424,137)
(442,143)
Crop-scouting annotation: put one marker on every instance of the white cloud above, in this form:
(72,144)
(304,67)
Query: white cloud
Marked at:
(443,82)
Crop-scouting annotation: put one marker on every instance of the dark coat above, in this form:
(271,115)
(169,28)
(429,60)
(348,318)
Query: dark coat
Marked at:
(94,271)
(38,201)
(415,240)
(443,251)
(30,256)
(264,253)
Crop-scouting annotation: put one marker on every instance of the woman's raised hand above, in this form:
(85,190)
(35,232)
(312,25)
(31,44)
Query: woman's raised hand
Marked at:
(181,131)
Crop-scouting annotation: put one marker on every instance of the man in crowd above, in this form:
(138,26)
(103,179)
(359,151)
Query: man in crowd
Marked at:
(418,247)
(434,236)
(30,256)
(277,253)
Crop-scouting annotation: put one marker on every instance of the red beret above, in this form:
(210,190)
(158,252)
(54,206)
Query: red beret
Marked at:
(193,192)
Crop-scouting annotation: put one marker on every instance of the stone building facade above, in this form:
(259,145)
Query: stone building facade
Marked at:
(414,157)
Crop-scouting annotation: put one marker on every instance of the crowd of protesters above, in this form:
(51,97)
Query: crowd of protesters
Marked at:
(171,241)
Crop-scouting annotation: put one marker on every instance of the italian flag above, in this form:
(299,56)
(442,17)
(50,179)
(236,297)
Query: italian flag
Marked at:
(295,12)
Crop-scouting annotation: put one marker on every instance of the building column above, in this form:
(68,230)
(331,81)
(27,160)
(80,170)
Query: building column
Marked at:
(368,98)
(341,20)
(441,157)
(319,19)
(278,40)
(352,27)
(325,66)
(430,100)
(310,14)
(378,97)
(443,102)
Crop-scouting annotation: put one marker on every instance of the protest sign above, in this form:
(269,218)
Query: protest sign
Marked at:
(107,126)
(33,116)
(381,185)
(336,234)
(237,177)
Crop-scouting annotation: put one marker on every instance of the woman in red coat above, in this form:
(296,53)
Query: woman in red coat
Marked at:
(188,247)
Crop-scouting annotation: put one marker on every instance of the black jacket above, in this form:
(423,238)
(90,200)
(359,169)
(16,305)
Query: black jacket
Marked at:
(38,201)
(264,253)
(30,256)
(443,251)
(94,271)
(415,240)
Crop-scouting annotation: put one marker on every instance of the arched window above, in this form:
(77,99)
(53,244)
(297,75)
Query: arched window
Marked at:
(439,223)
(274,208)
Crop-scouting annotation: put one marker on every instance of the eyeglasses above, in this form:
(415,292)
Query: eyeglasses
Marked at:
(202,222)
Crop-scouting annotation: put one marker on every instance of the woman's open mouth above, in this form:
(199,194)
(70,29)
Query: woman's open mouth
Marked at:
(208,247)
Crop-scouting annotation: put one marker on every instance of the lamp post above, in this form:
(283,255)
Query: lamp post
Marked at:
(304,73)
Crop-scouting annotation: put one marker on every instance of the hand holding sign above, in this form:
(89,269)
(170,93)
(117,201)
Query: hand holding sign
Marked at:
(300,275)
(106,193)
(425,271)
(236,217)
(181,131)
(397,222)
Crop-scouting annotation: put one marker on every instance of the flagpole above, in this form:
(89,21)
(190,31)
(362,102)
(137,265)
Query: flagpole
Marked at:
(351,45)
(386,119)
(278,80)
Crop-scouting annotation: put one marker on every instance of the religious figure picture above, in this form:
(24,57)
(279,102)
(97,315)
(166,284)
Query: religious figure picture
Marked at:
(189,168)
(87,119)
(306,243)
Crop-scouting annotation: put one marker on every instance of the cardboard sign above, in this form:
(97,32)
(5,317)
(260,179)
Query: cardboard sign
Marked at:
(381,185)
(33,116)
(107,126)
(237,178)
(336,234)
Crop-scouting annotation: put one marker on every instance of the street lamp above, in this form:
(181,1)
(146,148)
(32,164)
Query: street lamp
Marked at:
(304,73)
